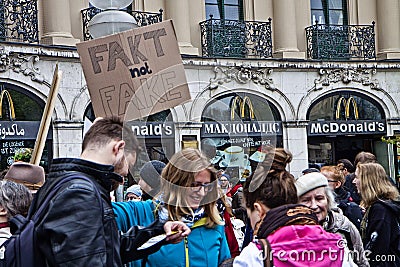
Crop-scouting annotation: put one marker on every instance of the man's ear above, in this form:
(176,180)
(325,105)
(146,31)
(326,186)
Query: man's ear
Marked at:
(339,184)
(118,145)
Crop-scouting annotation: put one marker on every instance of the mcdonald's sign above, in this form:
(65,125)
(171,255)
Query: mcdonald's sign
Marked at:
(4,92)
(241,103)
(346,103)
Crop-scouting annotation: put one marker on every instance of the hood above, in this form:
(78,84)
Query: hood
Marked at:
(392,205)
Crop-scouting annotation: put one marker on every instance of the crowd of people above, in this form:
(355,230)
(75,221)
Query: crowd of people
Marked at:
(187,213)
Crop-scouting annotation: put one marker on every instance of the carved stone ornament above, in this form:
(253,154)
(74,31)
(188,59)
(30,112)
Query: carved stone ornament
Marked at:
(20,63)
(363,76)
(242,75)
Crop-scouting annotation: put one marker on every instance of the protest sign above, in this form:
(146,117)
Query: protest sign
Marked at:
(135,73)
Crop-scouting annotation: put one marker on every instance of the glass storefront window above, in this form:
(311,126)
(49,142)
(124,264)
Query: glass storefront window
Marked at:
(237,130)
(21,113)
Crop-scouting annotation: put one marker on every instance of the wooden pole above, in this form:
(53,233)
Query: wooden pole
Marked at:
(46,118)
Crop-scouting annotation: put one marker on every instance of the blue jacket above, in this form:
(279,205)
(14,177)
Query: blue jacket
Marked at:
(205,246)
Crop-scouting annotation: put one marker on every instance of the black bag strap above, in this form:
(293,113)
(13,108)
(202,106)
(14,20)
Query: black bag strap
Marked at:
(46,201)
(266,251)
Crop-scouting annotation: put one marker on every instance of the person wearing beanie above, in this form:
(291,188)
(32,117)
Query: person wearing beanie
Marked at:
(314,192)
(133,193)
(150,178)
(30,175)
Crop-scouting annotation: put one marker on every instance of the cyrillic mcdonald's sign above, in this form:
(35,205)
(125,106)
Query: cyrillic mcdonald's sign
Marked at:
(10,104)
(238,101)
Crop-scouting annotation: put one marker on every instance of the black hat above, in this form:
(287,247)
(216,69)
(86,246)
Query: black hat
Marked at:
(150,173)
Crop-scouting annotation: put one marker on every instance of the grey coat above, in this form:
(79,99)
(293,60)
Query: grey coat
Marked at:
(338,223)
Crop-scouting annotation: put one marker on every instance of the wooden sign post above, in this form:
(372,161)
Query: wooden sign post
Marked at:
(46,118)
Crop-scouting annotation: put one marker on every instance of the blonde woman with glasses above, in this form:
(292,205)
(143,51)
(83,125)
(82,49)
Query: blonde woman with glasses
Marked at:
(189,192)
(380,229)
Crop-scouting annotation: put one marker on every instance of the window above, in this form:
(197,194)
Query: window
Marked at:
(329,12)
(225,9)
(333,107)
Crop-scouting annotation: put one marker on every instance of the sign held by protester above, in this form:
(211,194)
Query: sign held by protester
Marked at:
(135,73)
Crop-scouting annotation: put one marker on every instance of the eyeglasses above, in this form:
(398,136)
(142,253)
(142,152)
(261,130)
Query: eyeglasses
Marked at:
(332,181)
(196,187)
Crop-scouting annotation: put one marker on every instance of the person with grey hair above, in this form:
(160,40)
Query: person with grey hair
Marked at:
(15,199)
(313,191)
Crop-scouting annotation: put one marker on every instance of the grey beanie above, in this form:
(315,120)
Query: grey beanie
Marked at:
(310,181)
(151,173)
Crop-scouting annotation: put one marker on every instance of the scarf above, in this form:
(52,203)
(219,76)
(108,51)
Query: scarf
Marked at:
(291,214)
(188,219)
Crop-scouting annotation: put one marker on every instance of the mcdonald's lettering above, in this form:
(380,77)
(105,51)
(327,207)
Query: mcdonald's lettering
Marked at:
(346,127)
(232,128)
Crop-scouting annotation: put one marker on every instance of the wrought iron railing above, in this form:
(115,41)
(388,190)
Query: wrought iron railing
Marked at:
(341,41)
(19,21)
(235,38)
(142,18)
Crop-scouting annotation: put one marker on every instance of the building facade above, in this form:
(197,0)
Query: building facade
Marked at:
(320,78)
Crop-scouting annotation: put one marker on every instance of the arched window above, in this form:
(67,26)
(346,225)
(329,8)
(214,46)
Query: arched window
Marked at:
(345,105)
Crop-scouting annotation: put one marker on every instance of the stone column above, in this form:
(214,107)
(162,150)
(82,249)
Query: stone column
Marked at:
(178,11)
(57,23)
(296,142)
(284,23)
(388,27)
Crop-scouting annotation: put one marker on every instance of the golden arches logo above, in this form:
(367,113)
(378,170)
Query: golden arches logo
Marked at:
(238,101)
(10,104)
(346,103)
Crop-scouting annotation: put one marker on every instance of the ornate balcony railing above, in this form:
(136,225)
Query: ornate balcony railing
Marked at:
(341,41)
(19,21)
(142,18)
(234,38)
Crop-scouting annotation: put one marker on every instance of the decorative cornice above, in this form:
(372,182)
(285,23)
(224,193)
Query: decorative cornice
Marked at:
(363,76)
(242,75)
(21,63)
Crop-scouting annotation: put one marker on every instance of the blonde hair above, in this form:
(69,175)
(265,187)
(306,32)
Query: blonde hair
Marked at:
(333,173)
(374,184)
(178,175)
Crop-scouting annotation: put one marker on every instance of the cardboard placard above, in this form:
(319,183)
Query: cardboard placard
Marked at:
(135,73)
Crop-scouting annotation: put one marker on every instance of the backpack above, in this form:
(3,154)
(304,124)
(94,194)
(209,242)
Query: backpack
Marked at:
(20,249)
(352,211)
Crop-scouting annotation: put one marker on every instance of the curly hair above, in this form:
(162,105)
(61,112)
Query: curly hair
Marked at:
(278,187)
(14,198)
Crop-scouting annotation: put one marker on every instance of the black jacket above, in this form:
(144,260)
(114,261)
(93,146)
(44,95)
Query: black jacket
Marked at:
(78,228)
(350,209)
(383,220)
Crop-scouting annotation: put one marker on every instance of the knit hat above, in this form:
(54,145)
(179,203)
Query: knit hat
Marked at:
(32,176)
(150,173)
(135,189)
(309,182)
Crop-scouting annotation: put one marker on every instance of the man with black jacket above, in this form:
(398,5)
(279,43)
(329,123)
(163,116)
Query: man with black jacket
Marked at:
(79,228)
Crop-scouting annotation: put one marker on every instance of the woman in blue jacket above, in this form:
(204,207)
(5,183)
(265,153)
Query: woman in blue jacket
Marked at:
(189,194)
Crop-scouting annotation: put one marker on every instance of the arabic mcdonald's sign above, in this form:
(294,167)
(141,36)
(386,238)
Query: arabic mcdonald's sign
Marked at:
(4,92)
(241,103)
(346,104)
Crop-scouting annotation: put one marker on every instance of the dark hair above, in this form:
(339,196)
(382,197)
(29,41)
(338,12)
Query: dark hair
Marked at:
(364,157)
(278,187)
(107,129)
(346,164)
